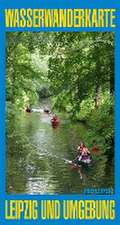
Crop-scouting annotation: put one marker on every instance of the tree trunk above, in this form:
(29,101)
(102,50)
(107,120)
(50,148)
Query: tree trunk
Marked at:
(97,94)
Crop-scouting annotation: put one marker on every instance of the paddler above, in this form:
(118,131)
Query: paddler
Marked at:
(54,119)
(82,153)
(83,150)
(28,109)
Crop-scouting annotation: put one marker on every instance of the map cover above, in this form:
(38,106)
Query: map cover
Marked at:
(59,112)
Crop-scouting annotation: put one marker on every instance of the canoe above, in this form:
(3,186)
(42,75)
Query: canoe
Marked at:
(83,162)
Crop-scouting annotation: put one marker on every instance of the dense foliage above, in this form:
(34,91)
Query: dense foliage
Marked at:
(78,68)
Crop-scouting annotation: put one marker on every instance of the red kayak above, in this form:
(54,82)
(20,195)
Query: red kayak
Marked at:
(54,122)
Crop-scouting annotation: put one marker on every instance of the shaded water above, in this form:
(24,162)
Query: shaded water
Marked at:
(36,152)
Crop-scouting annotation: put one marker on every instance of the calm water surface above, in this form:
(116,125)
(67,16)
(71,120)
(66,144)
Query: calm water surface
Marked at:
(36,152)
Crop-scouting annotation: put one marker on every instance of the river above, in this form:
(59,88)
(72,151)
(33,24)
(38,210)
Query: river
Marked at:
(35,157)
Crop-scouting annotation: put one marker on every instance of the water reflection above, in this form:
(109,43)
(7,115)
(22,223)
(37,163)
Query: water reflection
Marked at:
(36,153)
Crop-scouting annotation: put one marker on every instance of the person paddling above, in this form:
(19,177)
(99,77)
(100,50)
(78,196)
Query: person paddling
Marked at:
(54,120)
(28,109)
(82,152)
(46,110)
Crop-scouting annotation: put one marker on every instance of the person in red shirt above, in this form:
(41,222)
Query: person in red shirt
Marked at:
(54,120)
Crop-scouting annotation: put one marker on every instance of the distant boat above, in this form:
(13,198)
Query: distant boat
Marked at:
(38,110)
